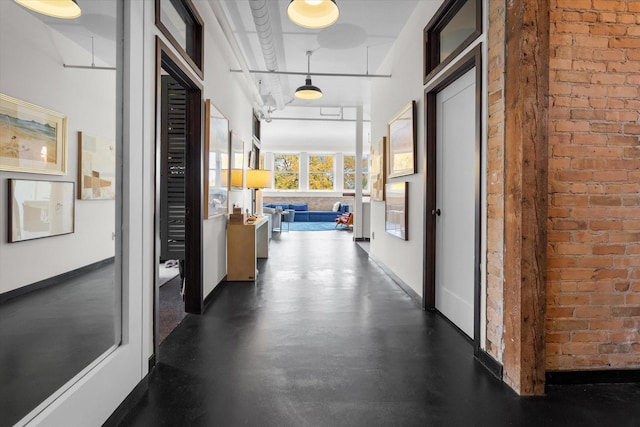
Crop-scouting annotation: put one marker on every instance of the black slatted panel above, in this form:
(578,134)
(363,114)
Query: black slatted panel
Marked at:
(173,170)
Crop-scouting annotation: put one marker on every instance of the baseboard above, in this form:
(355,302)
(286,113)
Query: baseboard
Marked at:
(406,288)
(118,416)
(492,365)
(54,280)
(593,377)
(214,293)
(152,362)
(362,239)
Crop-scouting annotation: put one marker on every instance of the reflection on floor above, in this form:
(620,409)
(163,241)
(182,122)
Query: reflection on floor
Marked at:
(325,338)
(49,335)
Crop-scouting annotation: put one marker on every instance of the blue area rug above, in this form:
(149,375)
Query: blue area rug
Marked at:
(309,226)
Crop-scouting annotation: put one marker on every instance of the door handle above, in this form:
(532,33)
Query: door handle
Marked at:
(436,212)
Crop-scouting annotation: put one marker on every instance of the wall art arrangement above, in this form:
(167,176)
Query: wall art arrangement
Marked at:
(396,209)
(236,162)
(40,209)
(402,144)
(377,169)
(96,168)
(32,138)
(216,167)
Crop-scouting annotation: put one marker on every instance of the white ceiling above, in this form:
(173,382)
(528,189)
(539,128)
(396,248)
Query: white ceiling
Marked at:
(356,44)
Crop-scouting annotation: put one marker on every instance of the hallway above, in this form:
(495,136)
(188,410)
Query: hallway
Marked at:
(326,338)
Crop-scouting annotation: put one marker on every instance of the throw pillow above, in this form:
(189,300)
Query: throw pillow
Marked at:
(336,206)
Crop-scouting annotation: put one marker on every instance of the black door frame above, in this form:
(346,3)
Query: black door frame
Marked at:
(472,59)
(166,60)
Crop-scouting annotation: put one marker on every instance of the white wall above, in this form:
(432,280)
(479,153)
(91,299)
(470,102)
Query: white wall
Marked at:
(227,93)
(31,70)
(388,96)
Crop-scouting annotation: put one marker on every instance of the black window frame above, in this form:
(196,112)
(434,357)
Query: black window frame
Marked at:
(190,16)
(431,36)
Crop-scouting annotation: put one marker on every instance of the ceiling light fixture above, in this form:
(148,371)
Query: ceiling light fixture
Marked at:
(313,13)
(308,90)
(65,9)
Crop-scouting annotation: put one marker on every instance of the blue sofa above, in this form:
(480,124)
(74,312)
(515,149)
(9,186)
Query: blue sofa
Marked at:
(303,214)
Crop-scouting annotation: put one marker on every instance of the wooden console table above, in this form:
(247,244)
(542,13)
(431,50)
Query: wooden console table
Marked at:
(245,244)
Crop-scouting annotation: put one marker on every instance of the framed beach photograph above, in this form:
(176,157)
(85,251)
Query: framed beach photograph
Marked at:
(32,138)
(96,167)
(236,162)
(396,210)
(39,209)
(402,144)
(216,167)
(377,169)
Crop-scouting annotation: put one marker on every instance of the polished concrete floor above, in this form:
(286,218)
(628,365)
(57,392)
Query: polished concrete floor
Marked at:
(325,338)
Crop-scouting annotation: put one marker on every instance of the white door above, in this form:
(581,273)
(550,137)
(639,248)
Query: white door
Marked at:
(455,199)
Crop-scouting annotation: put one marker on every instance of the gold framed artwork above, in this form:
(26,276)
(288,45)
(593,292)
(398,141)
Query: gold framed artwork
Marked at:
(396,209)
(377,169)
(216,167)
(32,138)
(402,143)
(96,167)
(40,209)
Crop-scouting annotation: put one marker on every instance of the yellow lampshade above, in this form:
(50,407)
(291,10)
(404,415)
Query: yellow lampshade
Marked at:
(313,13)
(236,178)
(258,178)
(66,9)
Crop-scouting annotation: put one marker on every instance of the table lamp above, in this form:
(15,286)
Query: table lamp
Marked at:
(258,179)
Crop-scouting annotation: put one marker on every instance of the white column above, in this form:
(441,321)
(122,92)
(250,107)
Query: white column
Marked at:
(357,226)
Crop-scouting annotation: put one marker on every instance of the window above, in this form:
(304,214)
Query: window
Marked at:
(286,168)
(454,27)
(350,172)
(320,172)
(180,23)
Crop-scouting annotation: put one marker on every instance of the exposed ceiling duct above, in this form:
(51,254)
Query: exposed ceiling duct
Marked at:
(262,21)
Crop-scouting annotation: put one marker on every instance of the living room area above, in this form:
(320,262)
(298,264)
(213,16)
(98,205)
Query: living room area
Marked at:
(309,213)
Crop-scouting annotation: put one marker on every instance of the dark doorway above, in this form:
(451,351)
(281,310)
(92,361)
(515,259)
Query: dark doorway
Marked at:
(178,201)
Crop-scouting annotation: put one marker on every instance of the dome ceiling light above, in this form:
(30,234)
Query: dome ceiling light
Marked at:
(308,90)
(65,9)
(313,13)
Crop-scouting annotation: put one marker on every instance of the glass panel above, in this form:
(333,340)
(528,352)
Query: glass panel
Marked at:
(458,29)
(60,296)
(285,173)
(349,172)
(176,18)
(320,172)
(365,172)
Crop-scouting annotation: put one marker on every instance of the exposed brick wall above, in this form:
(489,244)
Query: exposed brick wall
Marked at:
(495,179)
(593,283)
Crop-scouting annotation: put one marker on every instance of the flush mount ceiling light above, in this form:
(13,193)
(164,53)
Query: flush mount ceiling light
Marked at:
(66,9)
(308,90)
(313,13)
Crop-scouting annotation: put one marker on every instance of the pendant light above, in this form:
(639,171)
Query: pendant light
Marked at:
(66,9)
(313,13)
(308,90)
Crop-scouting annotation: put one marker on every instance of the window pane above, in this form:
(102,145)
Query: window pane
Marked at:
(320,172)
(286,169)
(349,174)
(458,29)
